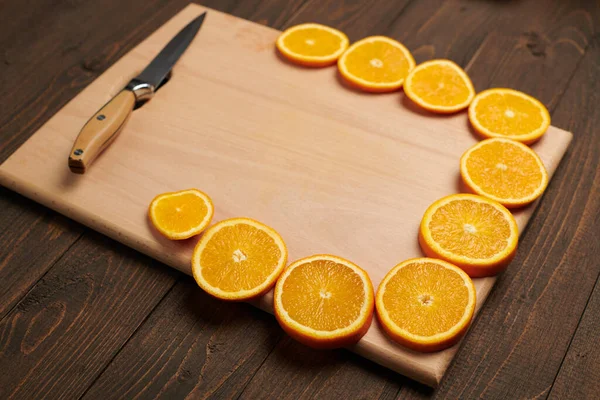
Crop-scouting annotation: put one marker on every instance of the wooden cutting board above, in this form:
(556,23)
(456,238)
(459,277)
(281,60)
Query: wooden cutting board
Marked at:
(333,170)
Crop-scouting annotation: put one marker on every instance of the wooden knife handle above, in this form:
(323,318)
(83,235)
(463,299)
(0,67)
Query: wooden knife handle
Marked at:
(99,132)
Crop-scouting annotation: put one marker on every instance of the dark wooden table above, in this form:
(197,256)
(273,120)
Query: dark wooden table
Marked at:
(83,316)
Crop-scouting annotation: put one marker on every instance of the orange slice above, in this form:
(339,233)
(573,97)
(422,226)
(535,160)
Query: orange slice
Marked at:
(238,259)
(509,114)
(477,234)
(376,64)
(505,171)
(425,304)
(324,301)
(312,45)
(439,86)
(181,215)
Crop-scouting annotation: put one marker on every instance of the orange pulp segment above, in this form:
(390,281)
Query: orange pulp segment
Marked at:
(324,301)
(426,304)
(181,215)
(238,259)
(474,233)
(505,171)
(376,64)
(312,45)
(439,86)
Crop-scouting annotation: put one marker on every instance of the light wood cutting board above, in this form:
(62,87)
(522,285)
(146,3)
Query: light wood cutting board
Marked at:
(333,170)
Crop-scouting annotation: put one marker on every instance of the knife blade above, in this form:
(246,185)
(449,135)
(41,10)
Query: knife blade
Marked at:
(105,125)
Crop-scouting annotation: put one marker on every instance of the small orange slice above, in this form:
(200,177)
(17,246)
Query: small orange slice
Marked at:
(324,301)
(439,86)
(505,171)
(376,64)
(312,45)
(426,304)
(238,259)
(474,233)
(181,215)
(509,114)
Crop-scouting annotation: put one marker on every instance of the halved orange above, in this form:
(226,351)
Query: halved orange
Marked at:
(474,233)
(324,301)
(312,45)
(238,259)
(181,215)
(376,64)
(426,304)
(509,114)
(505,171)
(439,86)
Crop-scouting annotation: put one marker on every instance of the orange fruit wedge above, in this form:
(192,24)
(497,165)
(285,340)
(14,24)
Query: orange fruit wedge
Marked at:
(474,233)
(312,45)
(439,86)
(324,301)
(509,114)
(505,171)
(376,64)
(181,215)
(425,304)
(238,259)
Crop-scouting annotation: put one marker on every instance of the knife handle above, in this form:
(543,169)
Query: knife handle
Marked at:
(99,132)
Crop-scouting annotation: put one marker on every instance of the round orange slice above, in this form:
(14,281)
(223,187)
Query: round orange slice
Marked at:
(312,45)
(439,86)
(238,259)
(425,304)
(474,233)
(505,171)
(376,64)
(324,301)
(509,114)
(181,215)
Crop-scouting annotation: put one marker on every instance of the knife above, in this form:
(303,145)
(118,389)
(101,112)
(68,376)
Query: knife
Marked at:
(105,125)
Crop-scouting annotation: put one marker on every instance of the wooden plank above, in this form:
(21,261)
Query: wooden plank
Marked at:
(33,238)
(466,32)
(192,345)
(518,342)
(63,333)
(579,375)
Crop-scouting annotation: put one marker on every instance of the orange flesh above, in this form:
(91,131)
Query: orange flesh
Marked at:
(470,229)
(364,62)
(239,257)
(440,85)
(323,295)
(504,170)
(507,114)
(313,42)
(426,298)
(180,213)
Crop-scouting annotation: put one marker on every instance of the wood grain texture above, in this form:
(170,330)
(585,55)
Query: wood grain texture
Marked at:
(579,375)
(192,345)
(73,322)
(305,144)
